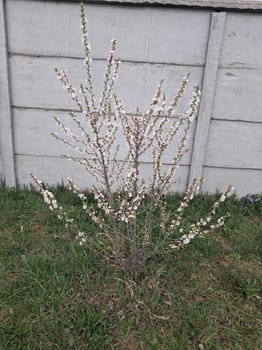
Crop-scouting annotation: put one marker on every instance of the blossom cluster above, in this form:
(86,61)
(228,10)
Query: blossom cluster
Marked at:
(51,201)
(81,238)
(201,227)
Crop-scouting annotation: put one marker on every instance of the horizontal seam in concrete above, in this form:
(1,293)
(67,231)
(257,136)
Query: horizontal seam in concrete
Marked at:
(231,67)
(224,4)
(143,162)
(237,121)
(105,60)
(176,116)
(46,109)
(230,168)
(98,59)
(79,158)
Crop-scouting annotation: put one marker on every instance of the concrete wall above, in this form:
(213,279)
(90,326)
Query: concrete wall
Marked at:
(221,50)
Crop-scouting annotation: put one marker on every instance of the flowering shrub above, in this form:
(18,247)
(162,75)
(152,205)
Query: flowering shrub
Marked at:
(130,209)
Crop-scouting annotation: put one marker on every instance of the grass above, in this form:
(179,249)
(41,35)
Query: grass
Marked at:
(55,294)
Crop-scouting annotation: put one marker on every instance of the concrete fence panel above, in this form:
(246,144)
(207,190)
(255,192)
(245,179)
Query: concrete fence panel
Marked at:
(219,45)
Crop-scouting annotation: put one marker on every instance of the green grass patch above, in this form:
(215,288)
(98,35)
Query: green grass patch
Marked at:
(55,294)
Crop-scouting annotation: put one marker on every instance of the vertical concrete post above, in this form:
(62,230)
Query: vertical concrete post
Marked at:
(208,94)
(6,134)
